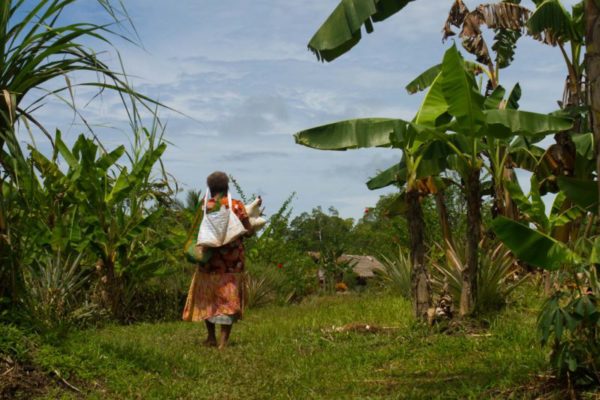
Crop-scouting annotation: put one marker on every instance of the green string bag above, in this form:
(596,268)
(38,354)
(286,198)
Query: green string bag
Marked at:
(190,251)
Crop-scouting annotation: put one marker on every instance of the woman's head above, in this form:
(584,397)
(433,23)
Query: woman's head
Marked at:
(218,183)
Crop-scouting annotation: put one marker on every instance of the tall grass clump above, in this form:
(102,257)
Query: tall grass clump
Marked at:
(497,276)
(395,275)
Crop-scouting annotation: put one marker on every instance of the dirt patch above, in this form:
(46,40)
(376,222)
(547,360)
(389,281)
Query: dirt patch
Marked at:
(21,381)
(26,381)
(360,328)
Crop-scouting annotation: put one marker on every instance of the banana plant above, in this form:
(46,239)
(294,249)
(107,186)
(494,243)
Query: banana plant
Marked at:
(592,42)
(469,124)
(568,320)
(40,49)
(112,205)
(447,130)
(384,132)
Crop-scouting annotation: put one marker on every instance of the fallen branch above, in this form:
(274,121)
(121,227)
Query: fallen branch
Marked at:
(66,383)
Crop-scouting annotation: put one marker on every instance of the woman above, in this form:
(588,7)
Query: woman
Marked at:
(216,292)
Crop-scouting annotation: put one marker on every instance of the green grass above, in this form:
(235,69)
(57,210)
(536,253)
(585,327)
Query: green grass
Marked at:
(284,352)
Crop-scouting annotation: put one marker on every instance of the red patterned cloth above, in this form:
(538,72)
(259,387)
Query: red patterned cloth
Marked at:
(217,286)
(211,295)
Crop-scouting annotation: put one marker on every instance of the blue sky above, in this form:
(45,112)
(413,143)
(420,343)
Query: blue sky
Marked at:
(241,70)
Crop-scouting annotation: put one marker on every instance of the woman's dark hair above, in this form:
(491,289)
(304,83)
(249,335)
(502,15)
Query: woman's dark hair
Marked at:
(218,183)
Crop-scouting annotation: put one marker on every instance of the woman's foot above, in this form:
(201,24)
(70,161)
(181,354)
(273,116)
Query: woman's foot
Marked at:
(224,339)
(211,338)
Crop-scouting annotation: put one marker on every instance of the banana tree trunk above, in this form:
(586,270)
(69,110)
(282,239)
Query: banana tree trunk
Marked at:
(469,274)
(440,202)
(421,287)
(110,293)
(592,61)
(510,208)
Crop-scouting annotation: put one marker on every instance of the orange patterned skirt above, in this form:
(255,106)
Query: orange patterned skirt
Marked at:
(213,295)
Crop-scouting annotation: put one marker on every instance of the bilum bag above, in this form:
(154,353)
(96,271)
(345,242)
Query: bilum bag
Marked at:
(221,227)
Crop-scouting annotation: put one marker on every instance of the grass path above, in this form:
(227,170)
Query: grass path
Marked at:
(282,352)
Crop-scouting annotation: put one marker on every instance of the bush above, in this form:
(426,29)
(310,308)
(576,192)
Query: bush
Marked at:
(284,282)
(496,277)
(56,295)
(259,290)
(570,323)
(14,343)
(396,273)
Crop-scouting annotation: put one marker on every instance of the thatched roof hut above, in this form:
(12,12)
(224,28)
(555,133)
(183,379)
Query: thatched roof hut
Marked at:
(364,266)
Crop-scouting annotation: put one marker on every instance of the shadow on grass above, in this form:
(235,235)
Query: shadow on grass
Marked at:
(433,384)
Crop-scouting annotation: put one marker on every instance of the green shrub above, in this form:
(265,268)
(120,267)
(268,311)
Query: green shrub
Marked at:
(260,290)
(14,343)
(496,276)
(56,295)
(396,273)
(569,322)
(287,282)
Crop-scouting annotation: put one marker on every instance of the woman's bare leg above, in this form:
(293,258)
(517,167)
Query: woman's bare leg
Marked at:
(211,338)
(225,332)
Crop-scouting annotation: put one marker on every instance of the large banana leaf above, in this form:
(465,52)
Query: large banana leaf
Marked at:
(461,92)
(396,174)
(553,24)
(353,134)
(513,98)
(341,31)
(494,100)
(531,246)
(434,160)
(434,108)
(583,192)
(424,80)
(584,144)
(507,123)
(532,206)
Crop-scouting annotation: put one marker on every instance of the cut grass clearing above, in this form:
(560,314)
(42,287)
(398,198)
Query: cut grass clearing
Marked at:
(292,352)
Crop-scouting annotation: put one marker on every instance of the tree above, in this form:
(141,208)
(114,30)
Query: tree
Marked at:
(592,59)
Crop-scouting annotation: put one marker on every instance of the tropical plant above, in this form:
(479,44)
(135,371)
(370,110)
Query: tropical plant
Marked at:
(57,296)
(592,42)
(396,273)
(259,290)
(447,133)
(109,211)
(39,48)
(568,321)
(497,275)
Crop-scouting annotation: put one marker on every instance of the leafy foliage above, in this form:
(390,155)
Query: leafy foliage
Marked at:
(497,275)
(569,323)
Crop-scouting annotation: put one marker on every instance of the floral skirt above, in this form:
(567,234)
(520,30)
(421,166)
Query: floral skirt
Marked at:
(214,295)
